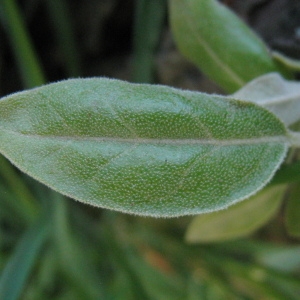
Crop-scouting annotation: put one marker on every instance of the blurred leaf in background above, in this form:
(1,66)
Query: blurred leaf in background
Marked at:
(219,43)
(238,220)
(292,211)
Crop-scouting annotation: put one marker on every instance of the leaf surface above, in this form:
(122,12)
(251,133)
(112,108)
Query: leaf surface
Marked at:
(238,220)
(218,42)
(141,149)
(280,96)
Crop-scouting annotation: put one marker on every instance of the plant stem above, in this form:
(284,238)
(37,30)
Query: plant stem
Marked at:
(290,63)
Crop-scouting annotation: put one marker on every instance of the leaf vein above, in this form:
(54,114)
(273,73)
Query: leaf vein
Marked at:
(210,51)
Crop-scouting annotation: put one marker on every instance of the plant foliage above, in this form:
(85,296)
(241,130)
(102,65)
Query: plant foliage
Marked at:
(142,149)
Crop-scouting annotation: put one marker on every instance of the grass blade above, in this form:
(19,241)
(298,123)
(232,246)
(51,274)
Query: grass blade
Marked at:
(61,19)
(149,17)
(31,72)
(20,265)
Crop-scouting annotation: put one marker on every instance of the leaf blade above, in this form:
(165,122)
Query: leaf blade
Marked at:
(238,220)
(147,150)
(224,55)
(280,96)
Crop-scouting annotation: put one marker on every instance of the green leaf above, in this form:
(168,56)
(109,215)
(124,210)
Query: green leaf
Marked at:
(218,42)
(292,213)
(141,149)
(280,258)
(280,96)
(238,220)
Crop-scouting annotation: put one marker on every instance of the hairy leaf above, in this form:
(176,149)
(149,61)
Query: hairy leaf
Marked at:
(218,42)
(238,220)
(141,149)
(280,96)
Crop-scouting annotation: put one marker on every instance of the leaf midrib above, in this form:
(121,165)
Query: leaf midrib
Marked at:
(156,141)
(235,77)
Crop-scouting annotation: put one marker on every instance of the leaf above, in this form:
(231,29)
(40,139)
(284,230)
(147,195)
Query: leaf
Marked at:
(238,220)
(292,213)
(218,42)
(280,96)
(141,149)
(281,258)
